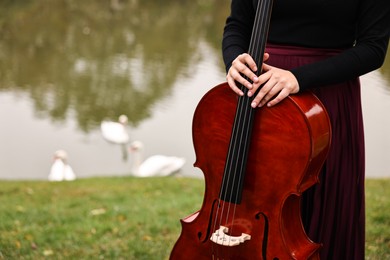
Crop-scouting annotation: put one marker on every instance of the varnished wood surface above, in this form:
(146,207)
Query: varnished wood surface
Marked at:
(288,147)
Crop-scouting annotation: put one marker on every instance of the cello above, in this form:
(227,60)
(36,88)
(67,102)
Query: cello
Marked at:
(256,162)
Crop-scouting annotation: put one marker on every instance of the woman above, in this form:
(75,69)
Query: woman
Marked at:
(320,46)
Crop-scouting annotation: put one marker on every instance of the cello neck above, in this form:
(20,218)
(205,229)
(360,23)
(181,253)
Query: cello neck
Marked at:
(235,166)
(260,32)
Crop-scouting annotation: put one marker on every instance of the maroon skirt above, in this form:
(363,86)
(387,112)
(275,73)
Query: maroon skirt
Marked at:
(333,211)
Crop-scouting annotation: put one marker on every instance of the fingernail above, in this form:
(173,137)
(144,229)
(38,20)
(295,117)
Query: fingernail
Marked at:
(250,93)
(253,105)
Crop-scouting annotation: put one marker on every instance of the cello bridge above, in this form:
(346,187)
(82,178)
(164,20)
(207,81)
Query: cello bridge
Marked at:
(221,237)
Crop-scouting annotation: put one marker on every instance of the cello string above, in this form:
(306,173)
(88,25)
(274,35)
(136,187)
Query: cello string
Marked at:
(242,140)
(232,168)
(242,115)
(229,173)
(255,50)
(246,113)
(226,177)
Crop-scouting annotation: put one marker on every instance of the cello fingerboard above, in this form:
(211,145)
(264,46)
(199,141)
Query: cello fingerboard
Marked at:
(235,167)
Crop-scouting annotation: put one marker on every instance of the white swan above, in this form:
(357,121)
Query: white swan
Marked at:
(156,165)
(60,169)
(115,132)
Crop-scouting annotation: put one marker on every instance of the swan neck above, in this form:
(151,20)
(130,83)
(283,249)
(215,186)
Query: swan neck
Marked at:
(137,160)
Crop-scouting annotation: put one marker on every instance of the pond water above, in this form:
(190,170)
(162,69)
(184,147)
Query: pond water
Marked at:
(65,66)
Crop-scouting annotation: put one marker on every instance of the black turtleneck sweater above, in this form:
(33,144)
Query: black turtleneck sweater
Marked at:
(360,28)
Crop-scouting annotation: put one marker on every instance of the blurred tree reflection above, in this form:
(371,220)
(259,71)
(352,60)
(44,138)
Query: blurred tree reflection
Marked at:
(99,59)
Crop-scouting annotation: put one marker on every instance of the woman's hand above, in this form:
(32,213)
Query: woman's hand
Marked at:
(242,66)
(278,83)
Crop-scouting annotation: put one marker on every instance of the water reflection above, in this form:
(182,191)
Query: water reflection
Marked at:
(101,59)
(72,64)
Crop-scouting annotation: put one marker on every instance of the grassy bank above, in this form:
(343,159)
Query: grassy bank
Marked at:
(126,218)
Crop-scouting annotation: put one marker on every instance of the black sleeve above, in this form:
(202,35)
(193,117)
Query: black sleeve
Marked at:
(367,55)
(237,31)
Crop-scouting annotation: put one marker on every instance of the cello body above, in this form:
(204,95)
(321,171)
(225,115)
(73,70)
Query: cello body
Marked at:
(256,162)
(288,145)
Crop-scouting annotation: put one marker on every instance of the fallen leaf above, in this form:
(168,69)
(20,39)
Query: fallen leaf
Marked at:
(96,212)
(48,252)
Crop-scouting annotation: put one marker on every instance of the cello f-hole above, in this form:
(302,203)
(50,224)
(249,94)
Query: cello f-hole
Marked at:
(206,237)
(265,234)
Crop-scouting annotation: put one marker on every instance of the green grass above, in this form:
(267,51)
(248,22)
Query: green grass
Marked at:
(378,219)
(125,218)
